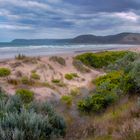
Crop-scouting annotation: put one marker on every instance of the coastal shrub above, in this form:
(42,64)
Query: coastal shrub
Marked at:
(26,95)
(135,74)
(56,81)
(61,84)
(74,92)
(4,72)
(71,76)
(79,66)
(59,60)
(68,76)
(26,81)
(49,85)
(116,81)
(38,121)
(130,65)
(108,89)
(67,100)
(112,77)
(109,83)
(35,76)
(124,63)
(96,102)
(101,59)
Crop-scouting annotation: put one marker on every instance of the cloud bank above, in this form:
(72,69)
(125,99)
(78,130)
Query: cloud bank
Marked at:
(67,18)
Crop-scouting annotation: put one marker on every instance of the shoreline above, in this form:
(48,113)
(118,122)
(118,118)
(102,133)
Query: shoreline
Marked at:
(76,52)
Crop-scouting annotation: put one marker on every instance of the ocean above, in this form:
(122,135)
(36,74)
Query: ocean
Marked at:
(12,51)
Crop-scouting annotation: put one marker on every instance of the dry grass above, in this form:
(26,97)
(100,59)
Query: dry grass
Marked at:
(59,60)
(121,122)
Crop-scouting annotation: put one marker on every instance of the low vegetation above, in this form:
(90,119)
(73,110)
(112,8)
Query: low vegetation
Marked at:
(27,81)
(20,57)
(80,67)
(26,95)
(101,59)
(97,102)
(56,81)
(13,81)
(26,59)
(35,76)
(4,72)
(37,121)
(74,92)
(59,60)
(71,76)
(67,100)
(108,109)
(113,85)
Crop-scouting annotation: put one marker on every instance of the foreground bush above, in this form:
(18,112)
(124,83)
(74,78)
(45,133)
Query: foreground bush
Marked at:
(125,62)
(35,122)
(25,94)
(4,72)
(108,89)
(135,75)
(124,78)
(99,60)
(97,102)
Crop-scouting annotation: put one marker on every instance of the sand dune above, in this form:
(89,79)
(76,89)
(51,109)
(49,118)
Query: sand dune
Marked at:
(47,70)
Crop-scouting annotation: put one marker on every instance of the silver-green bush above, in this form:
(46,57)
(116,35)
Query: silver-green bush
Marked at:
(33,122)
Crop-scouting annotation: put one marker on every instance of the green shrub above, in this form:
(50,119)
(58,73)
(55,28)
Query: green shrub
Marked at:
(124,78)
(113,78)
(38,121)
(74,92)
(67,100)
(25,94)
(56,81)
(4,72)
(96,102)
(35,76)
(68,76)
(124,62)
(135,72)
(108,88)
(101,59)
(59,60)
(71,76)
(26,81)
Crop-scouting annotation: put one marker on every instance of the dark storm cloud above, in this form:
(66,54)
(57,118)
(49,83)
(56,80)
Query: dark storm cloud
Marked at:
(67,18)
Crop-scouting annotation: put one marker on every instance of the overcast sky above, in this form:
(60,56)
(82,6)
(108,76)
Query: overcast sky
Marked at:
(67,18)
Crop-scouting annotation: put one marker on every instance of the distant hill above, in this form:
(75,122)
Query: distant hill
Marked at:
(122,38)
(40,41)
